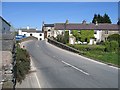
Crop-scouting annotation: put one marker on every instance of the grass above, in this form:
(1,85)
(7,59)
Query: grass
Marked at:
(97,52)
(109,57)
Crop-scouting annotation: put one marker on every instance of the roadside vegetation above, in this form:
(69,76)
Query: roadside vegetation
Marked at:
(22,63)
(99,52)
(107,52)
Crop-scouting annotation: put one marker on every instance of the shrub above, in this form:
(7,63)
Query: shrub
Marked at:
(111,46)
(88,47)
(114,45)
(114,37)
(22,64)
(107,46)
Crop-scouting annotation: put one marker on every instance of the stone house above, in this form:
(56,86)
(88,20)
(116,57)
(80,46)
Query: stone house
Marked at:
(7,44)
(101,31)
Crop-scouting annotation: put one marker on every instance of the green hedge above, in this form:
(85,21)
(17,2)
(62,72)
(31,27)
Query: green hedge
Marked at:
(88,47)
(111,46)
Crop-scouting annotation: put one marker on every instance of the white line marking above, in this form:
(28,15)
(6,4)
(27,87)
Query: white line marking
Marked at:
(83,57)
(113,67)
(37,80)
(75,67)
(32,64)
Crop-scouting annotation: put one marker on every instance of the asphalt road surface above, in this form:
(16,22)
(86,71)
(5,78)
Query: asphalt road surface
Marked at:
(57,68)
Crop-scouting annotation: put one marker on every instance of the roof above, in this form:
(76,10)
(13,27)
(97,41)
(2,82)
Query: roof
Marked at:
(30,30)
(48,25)
(5,21)
(79,26)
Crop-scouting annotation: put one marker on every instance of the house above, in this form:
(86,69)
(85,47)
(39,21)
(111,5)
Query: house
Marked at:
(6,51)
(101,31)
(26,32)
(5,25)
(48,30)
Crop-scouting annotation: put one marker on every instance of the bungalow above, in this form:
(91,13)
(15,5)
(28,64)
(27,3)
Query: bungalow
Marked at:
(101,31)
(26,32)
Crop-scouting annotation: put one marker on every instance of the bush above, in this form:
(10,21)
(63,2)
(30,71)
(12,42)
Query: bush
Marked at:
(107,46)
(22,64)
(114,37)
(114,45)
(111,46)
(88,47)
(63,38)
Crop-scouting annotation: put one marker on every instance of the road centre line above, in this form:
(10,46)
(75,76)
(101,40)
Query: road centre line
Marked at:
(75,68)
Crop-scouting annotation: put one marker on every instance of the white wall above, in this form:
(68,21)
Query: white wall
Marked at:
(27,34)
(98,35)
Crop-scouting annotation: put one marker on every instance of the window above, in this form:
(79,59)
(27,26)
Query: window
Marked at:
(24,34)
(95,32)
(95,39)
(40,34)
(40,38)
(48,29)
(106,31)
(30,34)
(105,38)
(79,32)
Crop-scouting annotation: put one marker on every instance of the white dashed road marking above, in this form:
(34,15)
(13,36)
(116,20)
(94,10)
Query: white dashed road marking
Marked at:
(75,68)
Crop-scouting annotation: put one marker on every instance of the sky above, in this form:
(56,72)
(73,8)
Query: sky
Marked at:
(23,14)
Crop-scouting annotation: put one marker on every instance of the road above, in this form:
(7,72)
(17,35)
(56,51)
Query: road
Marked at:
(57,68)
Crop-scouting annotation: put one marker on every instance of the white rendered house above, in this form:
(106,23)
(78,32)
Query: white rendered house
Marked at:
(31,32)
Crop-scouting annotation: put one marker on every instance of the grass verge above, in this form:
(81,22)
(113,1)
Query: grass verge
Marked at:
(97,52)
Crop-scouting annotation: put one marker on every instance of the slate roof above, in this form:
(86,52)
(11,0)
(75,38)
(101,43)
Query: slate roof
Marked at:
(48,25)
(30,30)
(5,21)
(75,26)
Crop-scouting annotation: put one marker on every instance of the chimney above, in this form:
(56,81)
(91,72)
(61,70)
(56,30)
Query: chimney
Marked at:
(43,23)
(84,22)
(67,21)
(36,28)
(96,23)
(28,27)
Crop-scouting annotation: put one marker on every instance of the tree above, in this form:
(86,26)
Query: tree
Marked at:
(66,37)
(76,34)
(106,18)
(101,19)
(118,23)
(60,38)
(94,18)
(86,35)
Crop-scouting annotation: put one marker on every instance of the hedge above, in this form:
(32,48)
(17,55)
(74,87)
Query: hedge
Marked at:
(88,47)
